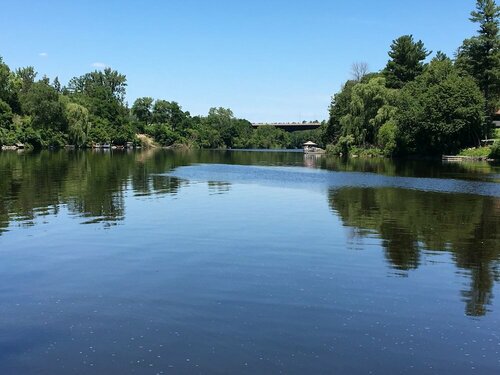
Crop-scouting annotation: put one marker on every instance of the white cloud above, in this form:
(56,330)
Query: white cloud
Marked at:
(99,65)
(43,54)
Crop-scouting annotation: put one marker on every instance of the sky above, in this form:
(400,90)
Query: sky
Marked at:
(267,60)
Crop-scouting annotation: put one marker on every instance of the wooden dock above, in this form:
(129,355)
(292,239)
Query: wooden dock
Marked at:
(459,158)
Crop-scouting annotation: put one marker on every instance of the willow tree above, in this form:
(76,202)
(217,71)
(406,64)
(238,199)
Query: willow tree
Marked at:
(78,124)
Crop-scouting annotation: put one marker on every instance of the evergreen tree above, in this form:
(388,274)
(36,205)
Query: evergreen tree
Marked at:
(56,84)
(480,56)
(407,61)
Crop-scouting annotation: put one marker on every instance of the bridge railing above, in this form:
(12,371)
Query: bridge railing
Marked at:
(286,124)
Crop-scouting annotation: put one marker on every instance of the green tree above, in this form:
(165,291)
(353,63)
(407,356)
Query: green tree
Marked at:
(42,103)
(56,84)
(369,108)
(93,83)
(339,107)
(221,119)
(441,112)
(78,124)
(8,91)
(480,55)
(25,78)
(407,61)
(141,109)
(103,93)
(165,112)
(4,81)
(5,115)
(269,137)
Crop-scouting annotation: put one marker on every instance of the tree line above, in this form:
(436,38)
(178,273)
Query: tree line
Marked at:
(415,107)
(92,109)
(410,107)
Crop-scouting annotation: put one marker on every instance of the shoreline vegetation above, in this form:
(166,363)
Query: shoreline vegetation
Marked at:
(411,108)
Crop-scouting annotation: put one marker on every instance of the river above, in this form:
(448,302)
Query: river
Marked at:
(247,262)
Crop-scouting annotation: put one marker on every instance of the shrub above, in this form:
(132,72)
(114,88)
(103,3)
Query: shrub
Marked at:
(495,151)
(342,147)
(386,138)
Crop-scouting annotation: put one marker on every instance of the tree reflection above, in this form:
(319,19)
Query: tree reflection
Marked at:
(90,184)
(93,185)
(411,221)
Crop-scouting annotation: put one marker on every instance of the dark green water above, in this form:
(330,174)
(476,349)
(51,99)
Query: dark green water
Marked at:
(247,263)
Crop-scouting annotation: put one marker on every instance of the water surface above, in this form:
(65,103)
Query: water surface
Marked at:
(217,262)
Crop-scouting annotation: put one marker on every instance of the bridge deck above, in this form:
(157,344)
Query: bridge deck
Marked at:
(290,126)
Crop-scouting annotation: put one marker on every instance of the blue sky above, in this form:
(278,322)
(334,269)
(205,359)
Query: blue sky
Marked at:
(266,60)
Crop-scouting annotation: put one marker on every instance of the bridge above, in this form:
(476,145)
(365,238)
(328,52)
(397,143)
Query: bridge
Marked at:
(290,126)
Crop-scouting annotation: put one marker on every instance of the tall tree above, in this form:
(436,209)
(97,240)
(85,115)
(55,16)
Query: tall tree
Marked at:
(480,55)
(43,104)
(4,81)
(407,61)
(339,107)
(440,112)
(25,78)
(362,118)
(78,124)
(103,94)
(56,84)
(141,109)
(165,112)
(90,84)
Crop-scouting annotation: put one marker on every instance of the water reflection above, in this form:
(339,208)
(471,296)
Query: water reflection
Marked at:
(482,171)
(94,186)
(410,222)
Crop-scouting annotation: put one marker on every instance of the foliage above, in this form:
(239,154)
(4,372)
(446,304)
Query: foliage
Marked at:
(476,152)
(5,114)
(165,112)
(41,102)
(406,61)
(142,111)
(269,137)
(425,109)
(102,93)
(78,124)
(440,112)
(479,56)
(297,139)
(164,134)
(410,107)
(387,138)
(366,152)
(342,147)
(368,109)
(5,78)
(339,107)
(495,151)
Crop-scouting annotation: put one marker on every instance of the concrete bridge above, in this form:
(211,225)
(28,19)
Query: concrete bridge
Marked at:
(290,126)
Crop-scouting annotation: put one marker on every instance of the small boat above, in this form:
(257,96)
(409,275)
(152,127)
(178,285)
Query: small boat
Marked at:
(312,148)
